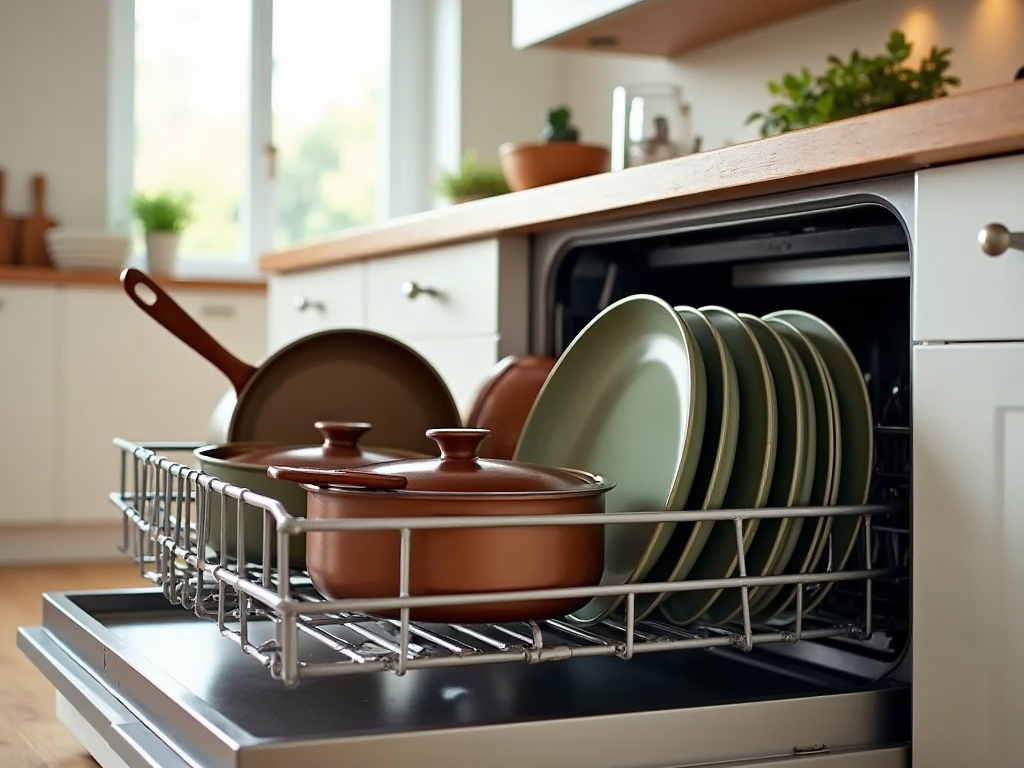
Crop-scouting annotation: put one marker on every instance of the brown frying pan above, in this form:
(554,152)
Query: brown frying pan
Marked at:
(336,375)
(504,401)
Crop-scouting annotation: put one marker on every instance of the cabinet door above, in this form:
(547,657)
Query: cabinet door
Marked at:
(968,548)
(28,404)
(307,302)
(443,292)
(961,294)
(125,376)
(464,364)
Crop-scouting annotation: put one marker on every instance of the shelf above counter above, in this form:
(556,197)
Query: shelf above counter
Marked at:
(967,126)
(652,27)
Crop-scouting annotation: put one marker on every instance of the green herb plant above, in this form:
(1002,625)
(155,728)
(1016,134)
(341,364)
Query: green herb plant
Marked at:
(163,212)
(474,179)
(559,127)
(859,86)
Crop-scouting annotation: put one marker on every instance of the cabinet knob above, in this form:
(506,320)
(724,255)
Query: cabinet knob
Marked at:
(413,289)
(995,240)
(303,303)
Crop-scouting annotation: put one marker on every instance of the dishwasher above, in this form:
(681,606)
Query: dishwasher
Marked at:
(221,667)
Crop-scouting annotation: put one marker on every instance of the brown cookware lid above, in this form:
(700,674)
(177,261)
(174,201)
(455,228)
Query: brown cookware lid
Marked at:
(459,469)
(339,449)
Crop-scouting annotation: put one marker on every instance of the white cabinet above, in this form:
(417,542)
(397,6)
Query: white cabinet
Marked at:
(462,306)
(463,363)
(961,294)
(306,302)
(968,544)
(29,376)
(442,292)
(80,365)
(128,377)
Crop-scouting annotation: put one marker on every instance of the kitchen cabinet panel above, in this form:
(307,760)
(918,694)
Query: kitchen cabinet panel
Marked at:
(443,292)
(968,536)
(29,373)
(649,27)
(125,376)
(463,363)
(960,293)
(307,302)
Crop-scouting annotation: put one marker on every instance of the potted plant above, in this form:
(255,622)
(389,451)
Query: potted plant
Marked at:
(164,216)
(474,180)
(856,87)
(558,156)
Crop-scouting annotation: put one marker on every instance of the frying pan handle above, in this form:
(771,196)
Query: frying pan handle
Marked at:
(171,316)
(338,477)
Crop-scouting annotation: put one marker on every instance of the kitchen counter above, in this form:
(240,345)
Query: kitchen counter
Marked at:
(45,275)
(30,734)
(971,125)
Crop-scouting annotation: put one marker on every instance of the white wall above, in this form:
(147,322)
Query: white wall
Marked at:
(53,105)
(725,82)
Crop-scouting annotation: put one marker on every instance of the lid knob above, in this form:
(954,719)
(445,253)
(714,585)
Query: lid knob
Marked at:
(458,444)
(342,435)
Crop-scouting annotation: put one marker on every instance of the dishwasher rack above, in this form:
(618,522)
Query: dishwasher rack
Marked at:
(276,616)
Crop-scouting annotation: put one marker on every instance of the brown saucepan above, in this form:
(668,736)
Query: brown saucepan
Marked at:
(505,399)
(365,564)
(337,375)
(244,464)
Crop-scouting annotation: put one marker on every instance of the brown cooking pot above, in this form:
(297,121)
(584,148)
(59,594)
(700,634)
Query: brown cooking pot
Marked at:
(245,465)
(365,564)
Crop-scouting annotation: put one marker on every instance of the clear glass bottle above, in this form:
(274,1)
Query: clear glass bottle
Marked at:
(650,122)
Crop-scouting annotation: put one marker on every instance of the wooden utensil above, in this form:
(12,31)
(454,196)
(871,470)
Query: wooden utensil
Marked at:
(33,250)
(8,232)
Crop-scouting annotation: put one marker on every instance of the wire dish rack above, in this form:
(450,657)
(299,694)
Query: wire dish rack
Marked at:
(275,615)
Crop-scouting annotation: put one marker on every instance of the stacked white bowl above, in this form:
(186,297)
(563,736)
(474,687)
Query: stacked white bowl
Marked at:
(87,249)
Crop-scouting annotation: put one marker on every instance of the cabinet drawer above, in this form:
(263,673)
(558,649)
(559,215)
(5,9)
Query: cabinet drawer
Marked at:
(463,363)
(29,377)
(307,302)
(450,291)
(960,293)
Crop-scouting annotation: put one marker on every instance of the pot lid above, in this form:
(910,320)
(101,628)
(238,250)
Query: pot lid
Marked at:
(340,449)
(459,469)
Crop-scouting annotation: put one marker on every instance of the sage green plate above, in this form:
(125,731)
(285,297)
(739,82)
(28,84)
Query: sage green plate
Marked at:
(752,469)
(761,597)
(828,451)
(626,400)
(718,450)
(775,538)
(858,435)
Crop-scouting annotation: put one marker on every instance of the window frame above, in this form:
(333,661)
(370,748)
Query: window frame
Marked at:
(403,164)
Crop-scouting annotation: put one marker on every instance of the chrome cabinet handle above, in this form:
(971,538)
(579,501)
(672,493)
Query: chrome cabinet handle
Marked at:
(217,310)
(995,240)
(413,289)
(302,304)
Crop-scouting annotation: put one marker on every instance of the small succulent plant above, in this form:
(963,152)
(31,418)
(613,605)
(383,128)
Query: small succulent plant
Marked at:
(559,127)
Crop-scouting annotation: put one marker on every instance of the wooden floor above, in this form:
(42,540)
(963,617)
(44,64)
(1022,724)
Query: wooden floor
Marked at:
(30,735)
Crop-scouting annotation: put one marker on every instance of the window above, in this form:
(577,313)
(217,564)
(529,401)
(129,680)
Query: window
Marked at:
(273,116)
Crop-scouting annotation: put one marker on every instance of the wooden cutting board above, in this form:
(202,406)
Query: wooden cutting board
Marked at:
(8,231)
(33,251)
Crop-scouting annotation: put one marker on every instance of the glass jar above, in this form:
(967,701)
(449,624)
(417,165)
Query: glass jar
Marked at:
(650,122)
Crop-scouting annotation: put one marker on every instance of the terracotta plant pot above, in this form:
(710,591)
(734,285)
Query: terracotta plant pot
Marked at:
(365,564)
(531,164)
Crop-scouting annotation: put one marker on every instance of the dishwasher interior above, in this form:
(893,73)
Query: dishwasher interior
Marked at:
(226,665)
(846,260)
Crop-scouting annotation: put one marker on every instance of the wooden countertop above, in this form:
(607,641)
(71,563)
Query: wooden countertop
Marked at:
(16,274)
(971,125)
(30,734)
